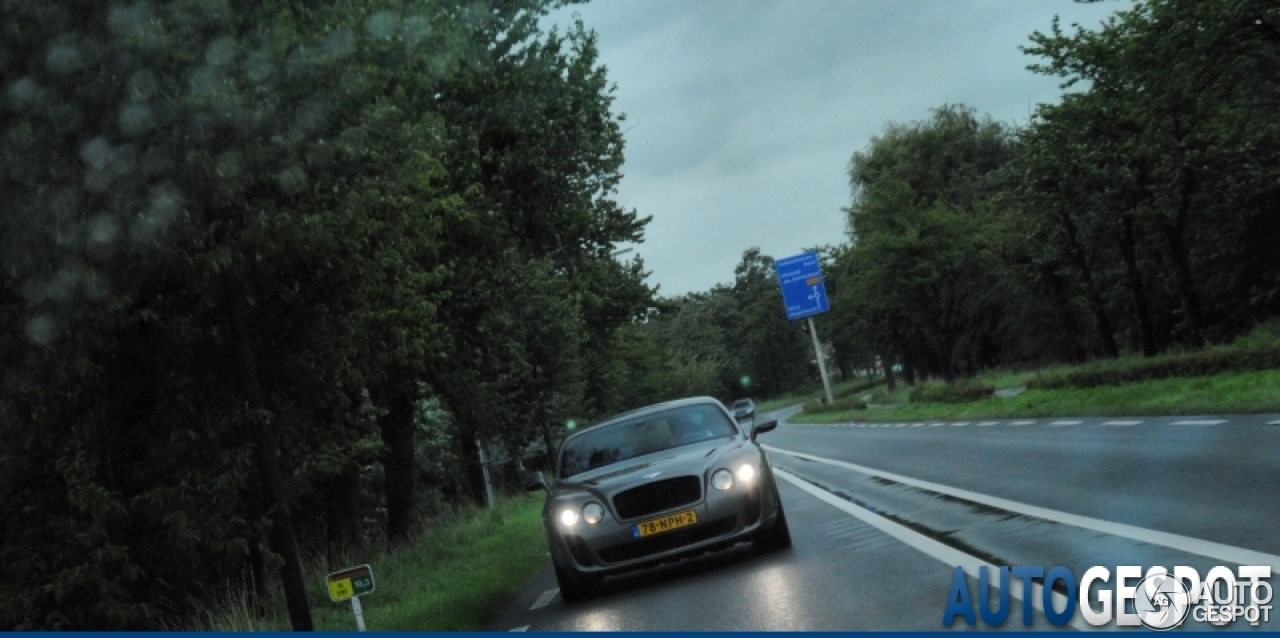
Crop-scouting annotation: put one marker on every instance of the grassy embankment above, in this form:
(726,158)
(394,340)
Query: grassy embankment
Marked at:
(459,575)
(814,392)
(1243,377)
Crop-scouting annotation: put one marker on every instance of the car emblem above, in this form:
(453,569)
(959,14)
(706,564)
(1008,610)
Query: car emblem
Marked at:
(649,476)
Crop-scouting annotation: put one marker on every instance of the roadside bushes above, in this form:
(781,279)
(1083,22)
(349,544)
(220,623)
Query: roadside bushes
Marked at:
(839,405)
(961,391)
(1192,364)
(858,389)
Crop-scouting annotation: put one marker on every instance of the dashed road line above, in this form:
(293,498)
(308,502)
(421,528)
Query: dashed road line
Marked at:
(920,425)
(1273,422)
(1198,422)
(960,424)
(524,628)
(987,424)
(1020,423)
(936,425)
(1119,423)
(544,599)
(1059,424)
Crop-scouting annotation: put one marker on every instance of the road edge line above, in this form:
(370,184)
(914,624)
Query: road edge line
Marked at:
(1200,547)
(935,549)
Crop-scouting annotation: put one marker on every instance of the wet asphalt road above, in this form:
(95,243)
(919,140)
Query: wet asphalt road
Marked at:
(882,514)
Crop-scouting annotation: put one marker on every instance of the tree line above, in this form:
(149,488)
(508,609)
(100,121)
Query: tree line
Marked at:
(274,270)
(1135,215)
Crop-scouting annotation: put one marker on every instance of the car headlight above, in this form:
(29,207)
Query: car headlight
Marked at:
(568,517)
(722,480)
(592,513)
(746,473)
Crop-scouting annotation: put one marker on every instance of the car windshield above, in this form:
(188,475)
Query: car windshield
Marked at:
(643,435)
(742,404)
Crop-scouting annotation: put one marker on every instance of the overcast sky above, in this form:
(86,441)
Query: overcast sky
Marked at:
(742,115)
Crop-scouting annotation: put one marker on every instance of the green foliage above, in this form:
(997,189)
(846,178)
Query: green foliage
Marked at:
(961,391)
(1225,393)
(1192,364)
(412,198)
(839,405)
(457,577)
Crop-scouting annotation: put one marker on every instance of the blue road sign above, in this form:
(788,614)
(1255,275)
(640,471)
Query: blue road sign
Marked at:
(803,292)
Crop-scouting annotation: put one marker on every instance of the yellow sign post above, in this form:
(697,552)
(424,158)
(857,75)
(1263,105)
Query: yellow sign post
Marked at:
(351,584)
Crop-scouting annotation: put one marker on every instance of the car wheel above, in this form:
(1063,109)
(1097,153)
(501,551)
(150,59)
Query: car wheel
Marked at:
(573,588)
(777,537)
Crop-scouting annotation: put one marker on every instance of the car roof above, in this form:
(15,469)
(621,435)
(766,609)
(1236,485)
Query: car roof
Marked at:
(648,409)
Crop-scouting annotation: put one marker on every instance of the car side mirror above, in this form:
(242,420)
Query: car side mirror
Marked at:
(534,482)
(763,426)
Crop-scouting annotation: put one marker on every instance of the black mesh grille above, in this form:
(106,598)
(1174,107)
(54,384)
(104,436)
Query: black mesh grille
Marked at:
(578,548)
(658,496)
(670,540)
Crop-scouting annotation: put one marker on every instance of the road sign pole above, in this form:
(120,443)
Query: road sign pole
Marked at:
(358,611)
(822,361)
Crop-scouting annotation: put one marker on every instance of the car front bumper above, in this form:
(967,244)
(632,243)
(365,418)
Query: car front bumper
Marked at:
(609,547)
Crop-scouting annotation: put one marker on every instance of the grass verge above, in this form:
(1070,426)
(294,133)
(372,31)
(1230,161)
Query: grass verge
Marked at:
(839,390)
(458,576)
(1225,393)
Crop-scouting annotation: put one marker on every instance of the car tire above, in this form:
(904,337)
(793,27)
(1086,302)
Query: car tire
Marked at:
(778,537)
(573,588)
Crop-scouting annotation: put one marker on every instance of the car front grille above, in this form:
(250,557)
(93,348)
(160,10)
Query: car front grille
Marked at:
(658,496)
(578,548)
(668,541)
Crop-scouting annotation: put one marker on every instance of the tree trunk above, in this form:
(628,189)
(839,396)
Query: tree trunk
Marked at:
(1066,316)
(888,375)
(1105,331)
(343,516)
(283,540)
(1181,260)
(1137,288)
(398,465)
(475,472)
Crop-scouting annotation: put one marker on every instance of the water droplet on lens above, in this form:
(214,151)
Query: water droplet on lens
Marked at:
(41,330)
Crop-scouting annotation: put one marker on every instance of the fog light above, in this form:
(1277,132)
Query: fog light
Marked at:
(592,513)
(568,518)
(746,473)
(722,480)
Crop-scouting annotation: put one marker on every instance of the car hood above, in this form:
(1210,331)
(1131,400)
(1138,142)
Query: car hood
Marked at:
(685,460)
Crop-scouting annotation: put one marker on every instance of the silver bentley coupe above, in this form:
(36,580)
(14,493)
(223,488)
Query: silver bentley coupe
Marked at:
(654,485)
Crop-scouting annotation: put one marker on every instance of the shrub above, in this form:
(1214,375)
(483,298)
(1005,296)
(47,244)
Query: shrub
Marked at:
(1193,364)
(840,405)
(961,391)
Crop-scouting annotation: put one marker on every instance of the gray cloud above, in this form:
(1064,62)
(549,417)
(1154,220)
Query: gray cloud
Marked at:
(742,116)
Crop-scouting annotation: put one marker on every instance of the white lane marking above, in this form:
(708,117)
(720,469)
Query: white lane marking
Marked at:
(960,424)
(900,425)
(1198,422)
(544,599)
(1058,424)
(1273,422)
(936,425)
(987,424)
(920,425)
(1020,423)
(1120,423)
(526,627)
(945,553)
(1220,551)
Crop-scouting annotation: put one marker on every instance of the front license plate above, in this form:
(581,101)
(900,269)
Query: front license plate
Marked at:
(664,524)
